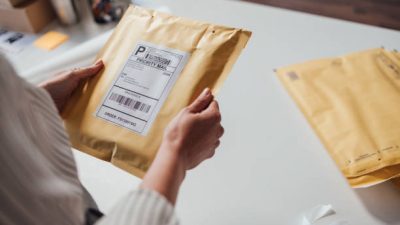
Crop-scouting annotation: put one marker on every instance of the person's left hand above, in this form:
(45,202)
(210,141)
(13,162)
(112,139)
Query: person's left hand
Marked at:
(62,86)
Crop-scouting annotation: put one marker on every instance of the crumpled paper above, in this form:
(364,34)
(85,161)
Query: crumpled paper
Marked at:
(318,212)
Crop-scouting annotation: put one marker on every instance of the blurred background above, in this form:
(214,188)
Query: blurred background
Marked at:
(40,36)
(32,32)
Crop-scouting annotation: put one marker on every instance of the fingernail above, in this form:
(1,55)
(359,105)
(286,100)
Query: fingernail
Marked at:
(98,62)
(206,91)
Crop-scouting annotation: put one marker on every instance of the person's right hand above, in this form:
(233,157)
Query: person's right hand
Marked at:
(193,135)
(189,139)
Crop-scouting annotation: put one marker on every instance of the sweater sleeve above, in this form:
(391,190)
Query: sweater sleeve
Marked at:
(141,207)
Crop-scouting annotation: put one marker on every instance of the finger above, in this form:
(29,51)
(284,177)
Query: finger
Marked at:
(221,131)
(211,153)
(89,71)
(216,104)
(217,144)
(201,102)
(212,112)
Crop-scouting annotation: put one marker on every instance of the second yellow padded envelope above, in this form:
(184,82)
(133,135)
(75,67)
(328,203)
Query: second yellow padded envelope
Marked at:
(353,104)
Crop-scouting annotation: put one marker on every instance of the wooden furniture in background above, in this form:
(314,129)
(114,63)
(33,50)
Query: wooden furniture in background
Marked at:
(383,13)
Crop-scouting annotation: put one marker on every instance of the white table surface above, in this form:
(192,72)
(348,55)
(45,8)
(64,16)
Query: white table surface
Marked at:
(270,167)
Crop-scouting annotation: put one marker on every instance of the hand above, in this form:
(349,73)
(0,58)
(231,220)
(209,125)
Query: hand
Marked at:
(190,138)
(62,86)
(194,133)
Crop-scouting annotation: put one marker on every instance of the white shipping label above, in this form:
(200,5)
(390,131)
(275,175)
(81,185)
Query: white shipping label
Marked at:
(140,89)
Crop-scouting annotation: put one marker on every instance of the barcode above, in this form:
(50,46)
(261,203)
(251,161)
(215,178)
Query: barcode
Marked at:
(130,103)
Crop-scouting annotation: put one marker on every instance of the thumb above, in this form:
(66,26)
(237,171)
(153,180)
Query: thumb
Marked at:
(202,101)
(89,71)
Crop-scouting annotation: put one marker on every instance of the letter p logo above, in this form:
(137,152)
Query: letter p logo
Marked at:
(140,49)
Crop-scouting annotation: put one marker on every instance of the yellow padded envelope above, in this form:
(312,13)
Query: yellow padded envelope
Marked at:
(376,177)
(396,181)
(353,104)
(152,60)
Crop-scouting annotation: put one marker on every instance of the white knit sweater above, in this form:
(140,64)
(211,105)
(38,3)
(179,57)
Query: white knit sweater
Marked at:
(39,181)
